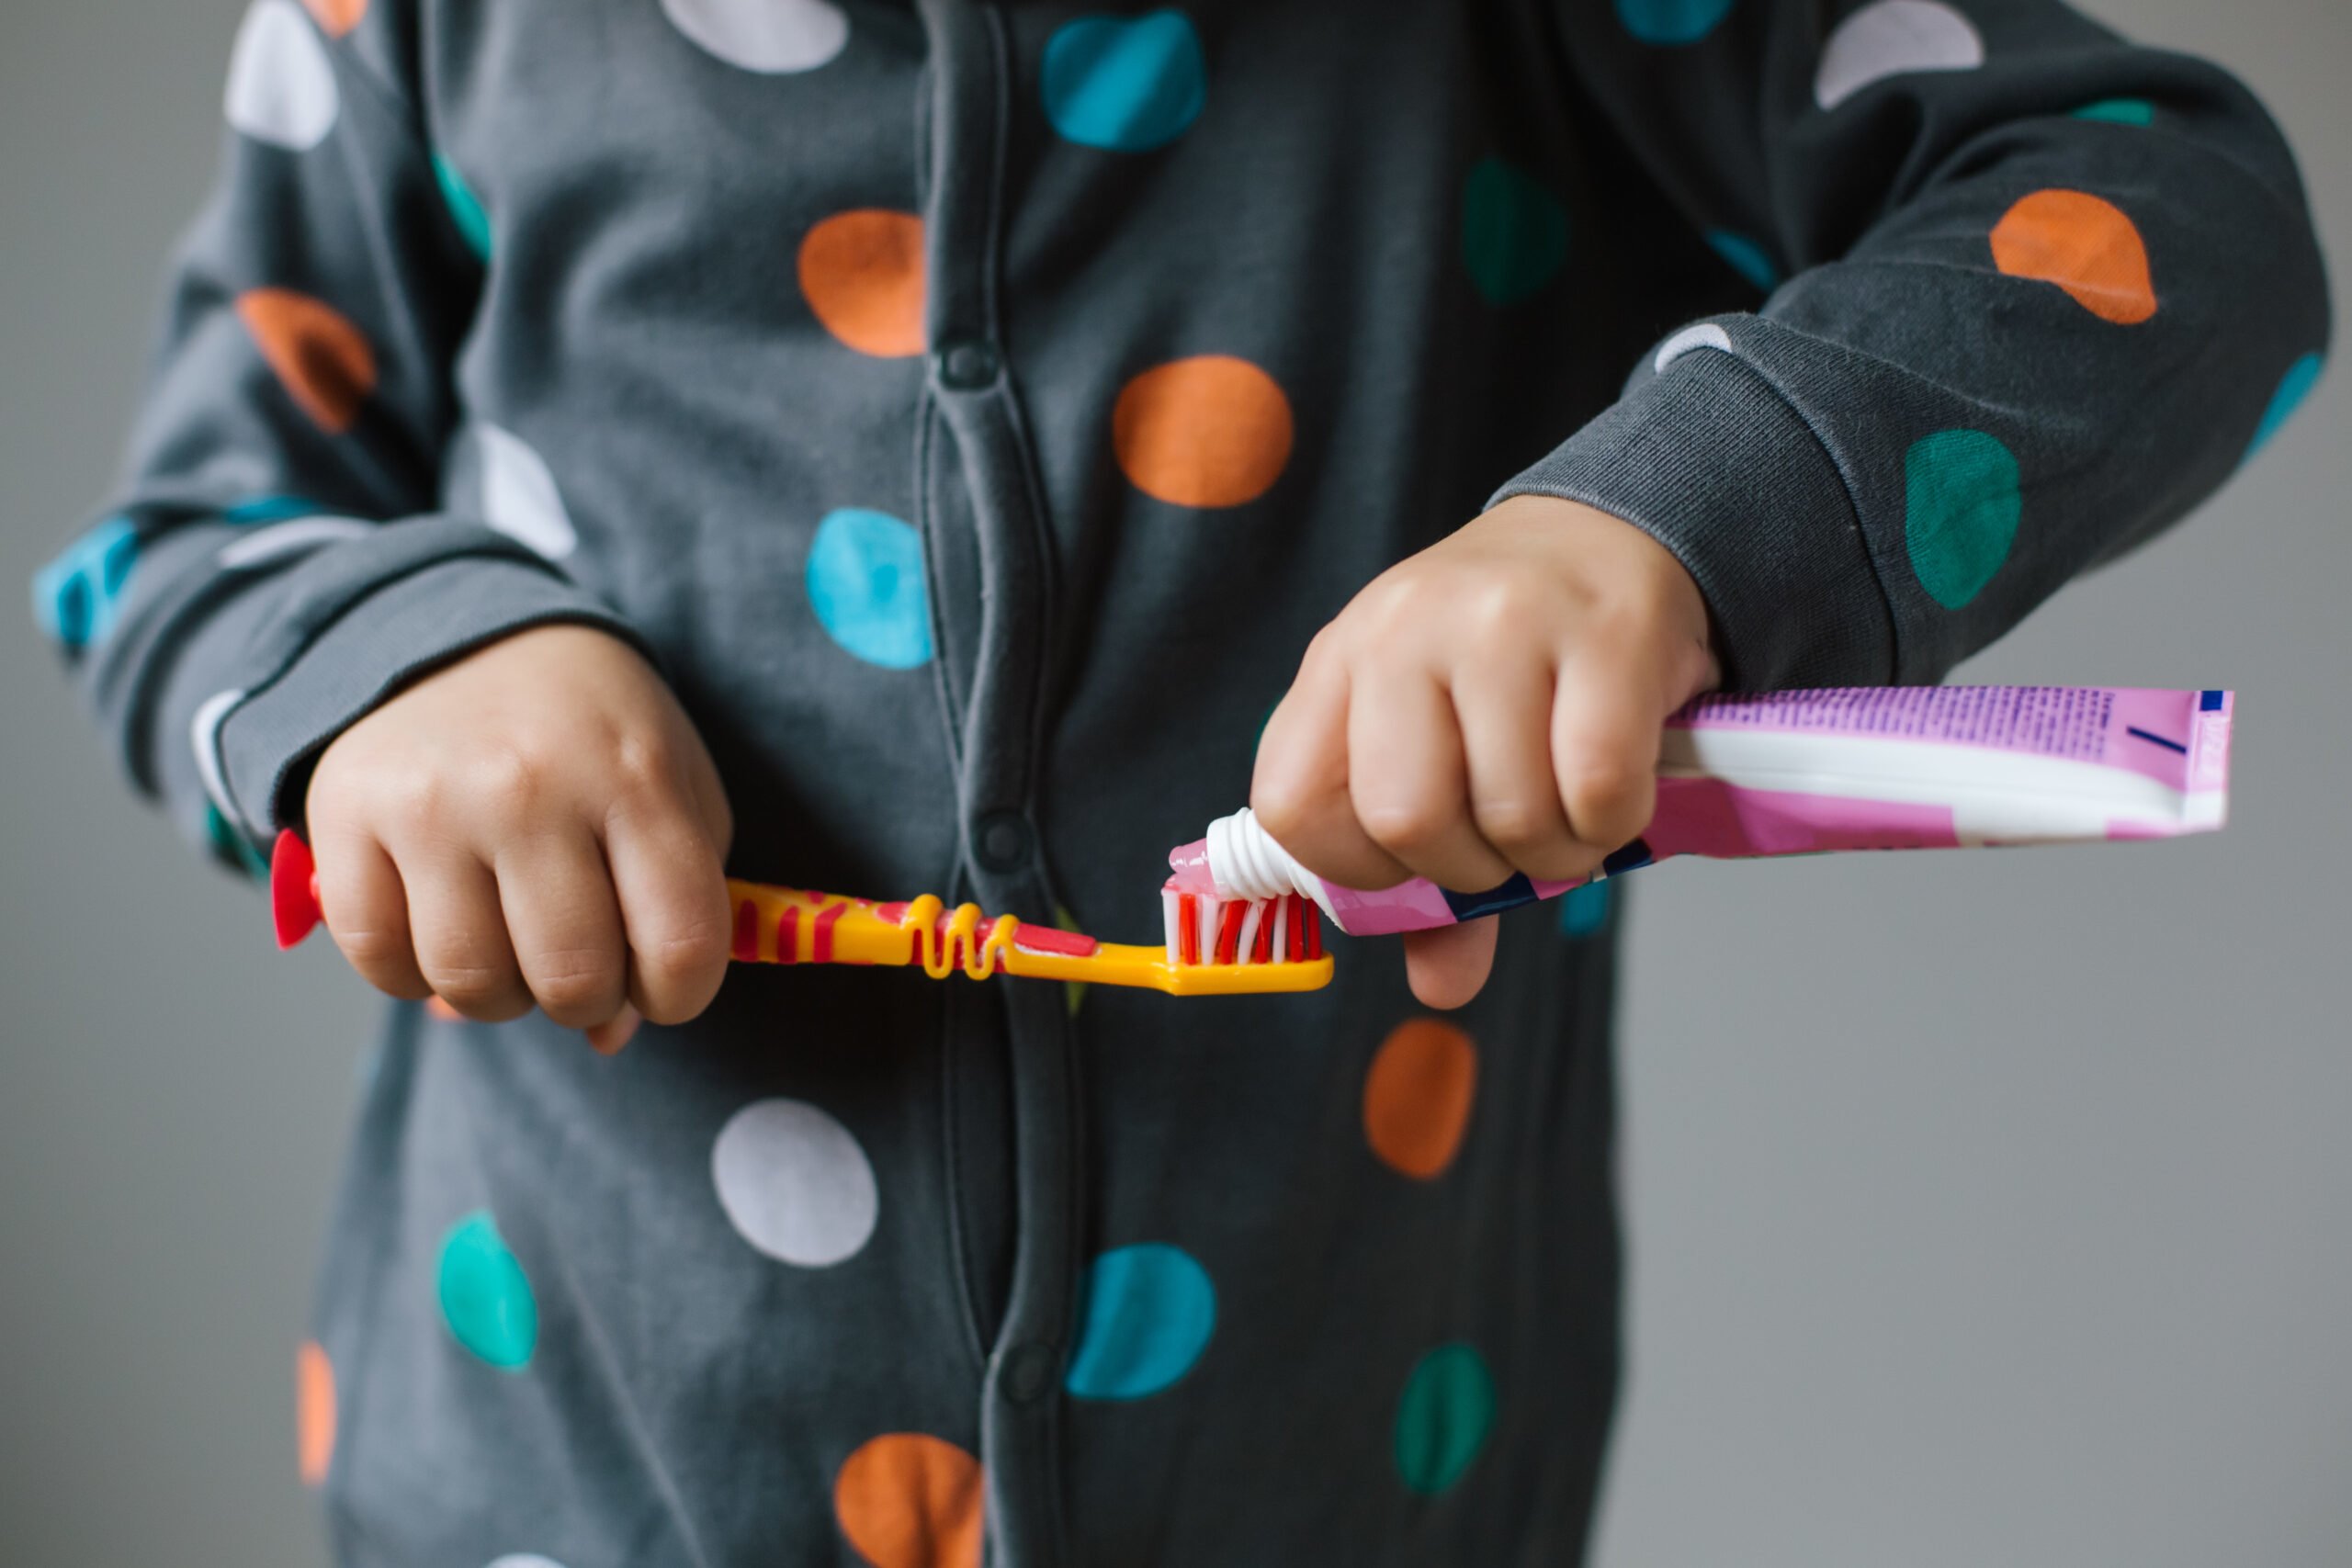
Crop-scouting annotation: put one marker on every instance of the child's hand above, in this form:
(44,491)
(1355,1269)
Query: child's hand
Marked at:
(1492,704)
(538,823)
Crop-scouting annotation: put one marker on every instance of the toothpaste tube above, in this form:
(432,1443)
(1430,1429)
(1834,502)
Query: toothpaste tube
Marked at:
(1860,768)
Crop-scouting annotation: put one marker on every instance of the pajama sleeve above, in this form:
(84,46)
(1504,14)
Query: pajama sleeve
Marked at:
(2033,293)
(279,558)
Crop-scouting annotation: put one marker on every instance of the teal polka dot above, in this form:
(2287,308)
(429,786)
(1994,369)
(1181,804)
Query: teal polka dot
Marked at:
(1126,85)
(78,597)
(1514,232)
(232,847)
(1671,21)
(271,509)
(465,208)
(1443,1418)
(2302,377)
(1746,257)
(1961,503)
(2119,111)
(1147,1314)
(866,582)
(485,1296)
(1584,910)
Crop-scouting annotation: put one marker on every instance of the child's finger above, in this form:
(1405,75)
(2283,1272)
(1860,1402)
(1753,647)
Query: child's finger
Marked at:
(1405,780)
(1504,711)
(1606,716)
(1299,790)
(1447,966)
(366,911)
(708,794)
(673,892)
(461,934)
(609,1038)
(565,926)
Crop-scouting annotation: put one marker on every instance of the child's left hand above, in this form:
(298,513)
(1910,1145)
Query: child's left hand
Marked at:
(1491,706)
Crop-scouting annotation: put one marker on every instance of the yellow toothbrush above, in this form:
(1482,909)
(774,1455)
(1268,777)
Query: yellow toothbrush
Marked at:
(1212,948)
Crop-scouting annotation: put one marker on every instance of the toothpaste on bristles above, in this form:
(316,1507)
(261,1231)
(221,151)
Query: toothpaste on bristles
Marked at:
(1204,928)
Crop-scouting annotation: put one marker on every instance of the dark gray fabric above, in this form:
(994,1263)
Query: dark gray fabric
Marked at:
(1100,664)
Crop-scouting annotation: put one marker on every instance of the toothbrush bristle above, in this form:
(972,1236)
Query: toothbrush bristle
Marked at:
(1202,928)
(1228,930)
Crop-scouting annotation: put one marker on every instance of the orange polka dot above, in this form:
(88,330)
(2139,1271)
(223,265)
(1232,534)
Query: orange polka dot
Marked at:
(1417,1096)
(2086,246)
(322,360)
(336,17)
(863,275)
(435,1006)
(314,1413)
(906,1500)
(1210,430)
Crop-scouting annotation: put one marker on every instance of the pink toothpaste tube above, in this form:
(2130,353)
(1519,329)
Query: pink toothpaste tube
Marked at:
(1846,768)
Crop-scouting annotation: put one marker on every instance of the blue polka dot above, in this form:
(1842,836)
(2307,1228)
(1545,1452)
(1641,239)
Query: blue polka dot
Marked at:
(2301,377)
(865,582)
(271,509)
(1584,910)
(2119,111)
(77,596)
(1671,21)
(1127,86)
(485,1296)
(1746,257)
(1149,1312)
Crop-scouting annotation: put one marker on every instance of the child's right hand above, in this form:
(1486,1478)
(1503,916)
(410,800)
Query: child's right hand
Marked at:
(536,823)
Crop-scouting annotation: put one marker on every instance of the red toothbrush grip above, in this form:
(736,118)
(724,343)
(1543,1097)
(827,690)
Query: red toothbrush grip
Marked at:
(293,889)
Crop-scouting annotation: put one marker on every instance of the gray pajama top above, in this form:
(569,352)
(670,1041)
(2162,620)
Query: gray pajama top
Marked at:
(974,408)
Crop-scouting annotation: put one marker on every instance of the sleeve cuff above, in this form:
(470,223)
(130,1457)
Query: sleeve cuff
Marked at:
(1706,458)
(268,737)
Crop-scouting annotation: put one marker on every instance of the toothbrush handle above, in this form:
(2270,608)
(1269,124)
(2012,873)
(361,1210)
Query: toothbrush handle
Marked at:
(789,925)
(773,925)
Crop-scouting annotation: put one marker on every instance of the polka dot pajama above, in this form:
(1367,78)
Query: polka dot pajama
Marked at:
(974,409)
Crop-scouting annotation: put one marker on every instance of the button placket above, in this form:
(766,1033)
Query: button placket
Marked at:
(976,400)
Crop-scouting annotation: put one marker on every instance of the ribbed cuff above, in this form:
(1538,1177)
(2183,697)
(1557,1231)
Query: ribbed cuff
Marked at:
(1706,458)
(399,631)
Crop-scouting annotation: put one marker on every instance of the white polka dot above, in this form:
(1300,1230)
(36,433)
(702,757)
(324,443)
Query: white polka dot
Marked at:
(1894,38)
(284,539)
(794,1183)
(525,1560)
(519,496)
(204,736)
(1690,340)
(768,36)
(281,85)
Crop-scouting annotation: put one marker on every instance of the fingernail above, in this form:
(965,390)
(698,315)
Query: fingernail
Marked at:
(606,1039)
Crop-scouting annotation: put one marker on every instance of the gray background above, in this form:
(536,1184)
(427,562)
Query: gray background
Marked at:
(1987,1208)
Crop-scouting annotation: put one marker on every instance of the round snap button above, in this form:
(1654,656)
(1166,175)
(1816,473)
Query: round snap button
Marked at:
(967,365)
(1028,1374)
(1001,840)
